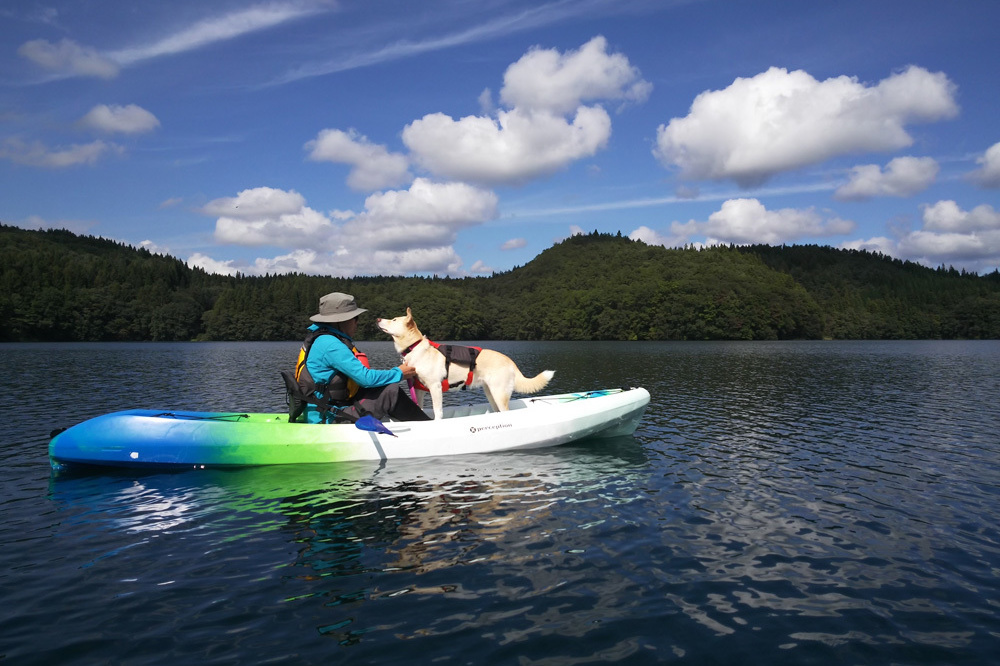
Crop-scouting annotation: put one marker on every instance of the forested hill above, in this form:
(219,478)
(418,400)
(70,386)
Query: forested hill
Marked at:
(56,286)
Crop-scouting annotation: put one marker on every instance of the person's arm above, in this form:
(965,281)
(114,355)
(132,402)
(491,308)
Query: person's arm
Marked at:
(354,369)
(335,356)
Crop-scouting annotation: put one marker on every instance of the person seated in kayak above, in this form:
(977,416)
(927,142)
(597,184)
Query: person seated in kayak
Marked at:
(336,375)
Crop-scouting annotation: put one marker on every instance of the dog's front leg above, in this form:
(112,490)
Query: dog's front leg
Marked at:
(436,399)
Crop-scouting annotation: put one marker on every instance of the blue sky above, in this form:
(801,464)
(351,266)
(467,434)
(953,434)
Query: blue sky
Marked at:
(461,137)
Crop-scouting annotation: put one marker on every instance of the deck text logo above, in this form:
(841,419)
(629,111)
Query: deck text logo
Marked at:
(500,426)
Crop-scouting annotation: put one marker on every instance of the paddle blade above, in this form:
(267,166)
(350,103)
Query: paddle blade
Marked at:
(372,424)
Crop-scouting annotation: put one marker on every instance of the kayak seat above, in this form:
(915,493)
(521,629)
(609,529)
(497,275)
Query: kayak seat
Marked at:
(293,396)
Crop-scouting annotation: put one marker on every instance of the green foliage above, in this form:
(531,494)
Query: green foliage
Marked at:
(867,295)
(604,287)
(55,285)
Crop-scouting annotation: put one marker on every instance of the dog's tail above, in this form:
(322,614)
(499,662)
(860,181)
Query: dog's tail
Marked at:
(524,385)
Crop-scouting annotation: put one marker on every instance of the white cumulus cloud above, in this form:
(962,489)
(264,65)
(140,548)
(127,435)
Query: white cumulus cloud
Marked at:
(988,175)
(210,265)
(257,202)
(946,216)
(515,147)
(373,167)
(268,216)
(935,248)
(428,215)
(361,261)
(311,262)
(545,126)
(479,267)
(748,221)
(154,247)
(902,177)
(948,236)
(653,237)
(131,119)
(779,120)
(547,80)
(649,236)
(400,231)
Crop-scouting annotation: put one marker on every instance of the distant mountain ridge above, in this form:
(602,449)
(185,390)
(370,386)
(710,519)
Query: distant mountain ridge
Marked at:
(60,286)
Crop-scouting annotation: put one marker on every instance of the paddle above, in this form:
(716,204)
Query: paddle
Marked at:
(372,424)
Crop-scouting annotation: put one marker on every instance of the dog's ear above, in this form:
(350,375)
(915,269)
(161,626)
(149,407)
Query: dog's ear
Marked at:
(409,313)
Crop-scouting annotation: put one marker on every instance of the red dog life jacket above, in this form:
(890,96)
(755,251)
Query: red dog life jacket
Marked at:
(454,354)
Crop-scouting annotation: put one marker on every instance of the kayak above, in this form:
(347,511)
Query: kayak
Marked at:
(179,439)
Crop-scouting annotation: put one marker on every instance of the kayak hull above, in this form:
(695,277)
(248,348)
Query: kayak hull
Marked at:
(158,438)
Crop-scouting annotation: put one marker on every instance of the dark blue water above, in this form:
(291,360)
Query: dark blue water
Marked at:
(782,503)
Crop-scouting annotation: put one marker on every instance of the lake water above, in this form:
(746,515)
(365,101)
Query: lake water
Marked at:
(781,503)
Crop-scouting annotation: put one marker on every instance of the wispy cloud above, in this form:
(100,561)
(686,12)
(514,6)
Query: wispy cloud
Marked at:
(38,154)
(68,58)
(218,29)
(494,28)
(649,202)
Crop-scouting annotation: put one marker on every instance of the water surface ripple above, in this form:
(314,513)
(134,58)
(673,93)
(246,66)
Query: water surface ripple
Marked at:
(781,503)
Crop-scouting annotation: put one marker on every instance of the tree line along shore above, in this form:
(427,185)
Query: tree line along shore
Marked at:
(59,286)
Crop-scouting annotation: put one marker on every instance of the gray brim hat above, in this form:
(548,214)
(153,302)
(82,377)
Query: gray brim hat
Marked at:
(337,307)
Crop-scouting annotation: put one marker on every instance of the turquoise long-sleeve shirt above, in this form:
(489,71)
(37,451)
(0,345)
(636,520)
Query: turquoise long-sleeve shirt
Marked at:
(332,353)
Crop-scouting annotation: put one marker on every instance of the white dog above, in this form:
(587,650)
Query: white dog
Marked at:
(496,373)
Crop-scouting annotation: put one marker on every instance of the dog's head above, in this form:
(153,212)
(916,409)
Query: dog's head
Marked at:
(402,329)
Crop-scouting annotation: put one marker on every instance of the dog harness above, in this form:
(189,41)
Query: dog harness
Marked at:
(452,354)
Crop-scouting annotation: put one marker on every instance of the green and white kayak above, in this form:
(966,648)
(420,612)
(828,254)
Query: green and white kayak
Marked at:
(157,438)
